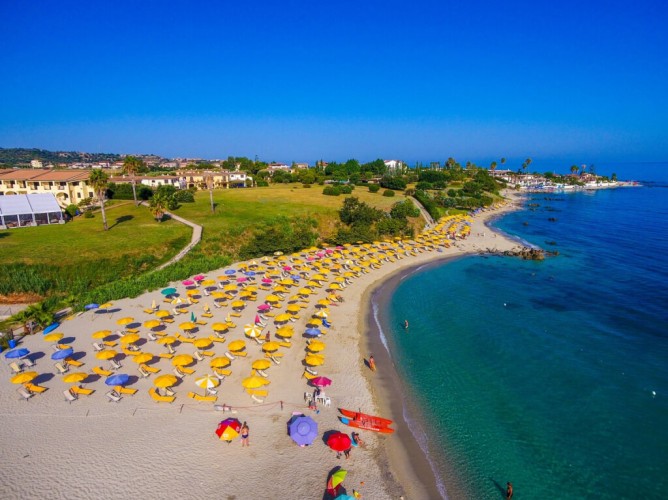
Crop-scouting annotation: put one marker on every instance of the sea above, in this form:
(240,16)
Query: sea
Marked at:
(552,375)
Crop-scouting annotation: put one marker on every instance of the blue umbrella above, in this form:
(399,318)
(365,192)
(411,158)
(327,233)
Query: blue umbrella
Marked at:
(250,273)
(17,353)
(117,379)
(312,332)
(51,327)
(230,272)
(168,291)
(344,496)
(295,277)
(88,307)
(303,430)
(62,353)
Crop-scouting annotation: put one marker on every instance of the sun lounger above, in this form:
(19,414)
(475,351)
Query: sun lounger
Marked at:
(115,365)
(258,392)
(24,393)
(166,355)
(217,338)
(222,372)
(170,349)
(229,355)
(262,373)
(285,344)
(168,392)
(125,390)
(129,351)
(74,362)
(207,315)
(28,362)
(109,343)
(132,330)
(183,339)
(198,356)
(102,372)
(311,371)
(178,372)
(231,324)
(143,372)
(113,396)
(200,322)
(148,311)
(62,369)
(69,397)
(273,358)
(150,369)
(160,399)
(152,336)
(16,368)
(206,399)
(256,399)
(167,320)
(308,376)
(35,388)
(187,371)
(80,391)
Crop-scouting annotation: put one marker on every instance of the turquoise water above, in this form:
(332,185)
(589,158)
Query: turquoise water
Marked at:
(552,375)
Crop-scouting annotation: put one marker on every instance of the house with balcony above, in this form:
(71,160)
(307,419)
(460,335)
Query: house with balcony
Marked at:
(68,186)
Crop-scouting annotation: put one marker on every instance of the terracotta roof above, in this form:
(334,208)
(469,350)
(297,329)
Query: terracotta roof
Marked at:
(37,174)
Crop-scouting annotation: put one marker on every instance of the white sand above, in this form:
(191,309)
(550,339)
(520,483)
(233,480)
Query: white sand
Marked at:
(93,448)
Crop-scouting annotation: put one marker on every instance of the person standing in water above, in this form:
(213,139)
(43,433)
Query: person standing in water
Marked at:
(406,324)
(509,491)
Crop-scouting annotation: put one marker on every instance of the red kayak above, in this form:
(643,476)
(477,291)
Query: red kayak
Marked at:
(356,415)
(366,425)
(363,421)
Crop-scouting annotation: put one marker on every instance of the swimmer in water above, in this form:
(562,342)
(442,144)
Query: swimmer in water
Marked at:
(406,324)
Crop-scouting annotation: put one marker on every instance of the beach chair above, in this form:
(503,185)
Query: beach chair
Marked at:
(74,362)
(150,369)
(125,390)
(113,396)
(229,355)
(166,355)
(152,336)
(168,392)
(115,365)
(27,362)
(171,349)
(311,371)
(102,372)
(273,358)
(198,356)
(24,393)
(143,372)
(205,399)
(256,399)
(69,396)
(187,371)
(80,391)
(217,338)
(308,398)
(178,372)
(262,373)
(16,368)
(61,369)
(37,389)
(160,399)
(308,376)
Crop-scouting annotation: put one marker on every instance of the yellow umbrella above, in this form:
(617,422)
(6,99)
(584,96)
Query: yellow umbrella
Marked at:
(322,303)
(305,292)
(192,293)
(252,330)
(238,304)
(100,334)
(316,346)
(207,382)
(220,362)
(219,295)
(293,308)
(124,321)
(285,331)
(106,354)
(260,364)
(229,288)
(253,382)
(246,295)
(130,338)
(143,357)
(334,286)
(55,337)
(251,288)
(23,378)
(314,359)
(220,327)
(106,305)
(315,321)
(167,340)
(322,313)
(270,346)
(208,282)
(165,381)
(237,345)
(272,298)
(182,360)
(188,325)
(282,318)
(160,314)
(75,378)
(152,323)
(202,343)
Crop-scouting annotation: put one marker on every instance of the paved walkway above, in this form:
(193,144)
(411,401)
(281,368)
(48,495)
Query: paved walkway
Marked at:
(428,218)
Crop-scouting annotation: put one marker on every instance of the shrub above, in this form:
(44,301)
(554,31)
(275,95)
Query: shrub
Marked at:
(262,184)
(347,189)
(423,185)
(389,193)
(331,191)
(71,210)
(184,196)
(393,182)
(374,188)
(306,185)
(88,214)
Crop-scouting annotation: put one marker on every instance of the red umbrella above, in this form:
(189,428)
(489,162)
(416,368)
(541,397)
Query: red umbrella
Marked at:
(339,441)
(228,429)
(321,382)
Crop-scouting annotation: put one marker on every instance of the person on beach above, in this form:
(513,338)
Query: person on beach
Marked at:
(356,439)
(267,337)
(372,363)
(244,435)
(509,491)
(347,453)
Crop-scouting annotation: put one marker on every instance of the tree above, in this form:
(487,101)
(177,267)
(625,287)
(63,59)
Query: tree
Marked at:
(99,180)
(582,169)
(574,169)
(492,167)
(528,162)
(503,161)
(131,166)
(157,206)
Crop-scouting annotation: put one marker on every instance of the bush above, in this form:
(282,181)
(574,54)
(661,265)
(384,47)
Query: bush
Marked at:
(347,189)
(423,185)
(374,188)
(184,196)
(389,193)
(331,191)
(88,214)
(306,185)
(71,210)
(393,182)
(263,184)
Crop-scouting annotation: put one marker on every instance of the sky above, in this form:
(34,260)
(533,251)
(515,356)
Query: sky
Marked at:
(560,82)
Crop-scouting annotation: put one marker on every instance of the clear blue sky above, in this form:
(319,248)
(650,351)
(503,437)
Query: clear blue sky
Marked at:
(565,81)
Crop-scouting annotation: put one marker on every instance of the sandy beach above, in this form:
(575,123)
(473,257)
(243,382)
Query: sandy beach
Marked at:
(97,448)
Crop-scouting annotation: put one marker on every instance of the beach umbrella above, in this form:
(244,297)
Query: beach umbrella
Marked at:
(106,305)
(100,334)
(168,291)
(316,346)
(263,307)
(131,338)
(254,382)
(165,381)
(285,332)
(260,364)
(188,325)
(272,298)
(192,293)
(182,360)
(282,318)
(159,314)
(188,282)
(55,337)
(312,332)
(242,279)
(237,345)
(322,303)
(221,362)
(142,357)
(124,321)
(230,288)
(228,429)
(117,379)
(208,282)
(229,272)
(293,308)
(321,381)
(169,340)
(252,330)
(23,378)
(106,354)
(75,378)
(322,313)
(338,441)
(88,307)
(199,277)
(220,327)
(314,359)
(202,343)
(238,304)
(207,382)
(303,430)
(270,346)
(152,323)
(63,353)
(17,353)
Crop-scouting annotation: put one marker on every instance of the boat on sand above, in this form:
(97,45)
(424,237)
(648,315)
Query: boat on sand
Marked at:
(364,421)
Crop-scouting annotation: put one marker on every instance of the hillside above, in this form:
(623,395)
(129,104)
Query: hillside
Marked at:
(21,157)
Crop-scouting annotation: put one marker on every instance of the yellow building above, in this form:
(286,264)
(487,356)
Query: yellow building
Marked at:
(68,186)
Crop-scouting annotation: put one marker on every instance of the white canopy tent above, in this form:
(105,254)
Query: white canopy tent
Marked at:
(20,210)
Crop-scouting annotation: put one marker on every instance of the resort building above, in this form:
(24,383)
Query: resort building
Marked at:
(221,179)
(394,166)
(68,186)
(152,182)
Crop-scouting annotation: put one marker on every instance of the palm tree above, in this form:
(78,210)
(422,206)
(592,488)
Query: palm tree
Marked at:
(492,167)
(99,180)
(157,206)
(582,169)
(503,161)
(132,165)
(39,314)
(209,184)
(574,169)
(524,167)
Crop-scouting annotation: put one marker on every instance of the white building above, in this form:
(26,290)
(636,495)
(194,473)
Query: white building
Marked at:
(394,166)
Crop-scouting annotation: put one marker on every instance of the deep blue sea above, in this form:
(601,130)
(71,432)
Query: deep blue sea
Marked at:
(552,375)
